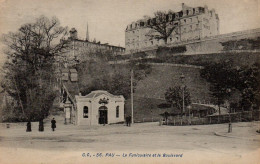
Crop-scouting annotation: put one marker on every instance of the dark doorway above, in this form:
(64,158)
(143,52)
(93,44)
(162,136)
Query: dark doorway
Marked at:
(102,115)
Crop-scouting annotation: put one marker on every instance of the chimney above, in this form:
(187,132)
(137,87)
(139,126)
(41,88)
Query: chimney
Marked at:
(213,11)
(182,5)
(206,9)
(87,34)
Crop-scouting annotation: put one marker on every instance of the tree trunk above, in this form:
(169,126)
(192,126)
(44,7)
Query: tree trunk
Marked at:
(18,93)
(219,113)
(165,40)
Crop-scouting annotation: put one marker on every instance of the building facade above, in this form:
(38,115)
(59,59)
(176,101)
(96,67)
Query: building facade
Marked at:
(99,107)
(80,50)
(192,24)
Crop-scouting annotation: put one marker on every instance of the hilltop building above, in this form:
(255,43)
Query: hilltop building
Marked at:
(192,24)
(80,50)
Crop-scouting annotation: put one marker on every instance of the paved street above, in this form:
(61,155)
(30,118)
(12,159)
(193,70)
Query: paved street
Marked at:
(199,143)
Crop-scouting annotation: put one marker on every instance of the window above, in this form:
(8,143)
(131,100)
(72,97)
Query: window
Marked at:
(152,42)
(85,112)
(117,111)
(170,39)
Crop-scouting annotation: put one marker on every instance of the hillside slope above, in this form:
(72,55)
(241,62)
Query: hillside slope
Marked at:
(164,76)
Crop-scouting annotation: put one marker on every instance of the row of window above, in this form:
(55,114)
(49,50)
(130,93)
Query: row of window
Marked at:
(190,28)
(93,45)
(168,17)
(207,27)
(85,112)
(189,20)
(206,20)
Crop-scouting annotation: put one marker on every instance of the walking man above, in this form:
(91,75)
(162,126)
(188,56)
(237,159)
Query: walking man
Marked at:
(29,126)
(130,119)
(53,124)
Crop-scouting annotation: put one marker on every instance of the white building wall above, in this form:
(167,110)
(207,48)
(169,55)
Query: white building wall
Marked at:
(80,106)
(194,24)
(93,109)
(95,115)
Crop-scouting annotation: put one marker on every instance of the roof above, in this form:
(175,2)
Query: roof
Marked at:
(97,43)
(97,93)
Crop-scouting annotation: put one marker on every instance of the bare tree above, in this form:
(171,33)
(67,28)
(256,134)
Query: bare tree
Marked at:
(161,27)
(29,69)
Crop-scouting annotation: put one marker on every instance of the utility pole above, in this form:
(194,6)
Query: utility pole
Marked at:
(229,111)
(132,95)
(132,90)
(183,108)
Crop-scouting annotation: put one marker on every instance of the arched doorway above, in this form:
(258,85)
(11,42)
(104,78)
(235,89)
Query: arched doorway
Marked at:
(102,115)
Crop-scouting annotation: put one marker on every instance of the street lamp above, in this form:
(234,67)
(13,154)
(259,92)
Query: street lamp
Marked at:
(189,107)
(132,88)
(182,80)
(229,109)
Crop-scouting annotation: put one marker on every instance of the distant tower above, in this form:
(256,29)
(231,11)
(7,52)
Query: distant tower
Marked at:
(73,34)
(87,34)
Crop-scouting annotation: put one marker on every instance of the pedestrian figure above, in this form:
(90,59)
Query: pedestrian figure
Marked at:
(130,119)
(29,126)
(104,121)
(126,120)
(41,127)
(53,124)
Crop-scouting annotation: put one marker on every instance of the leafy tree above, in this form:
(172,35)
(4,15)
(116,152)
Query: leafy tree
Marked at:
(31,53)
(222,78)
(248,84)
(242,44)
(161,27)
(174,96)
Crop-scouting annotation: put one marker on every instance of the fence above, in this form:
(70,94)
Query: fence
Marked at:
(148,119)
(213,119)
(235,117)
(178,121)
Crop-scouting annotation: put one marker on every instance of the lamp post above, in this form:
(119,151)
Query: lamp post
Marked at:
(229,111)
(67,109)
(189,107)
(132,89)
(183,103)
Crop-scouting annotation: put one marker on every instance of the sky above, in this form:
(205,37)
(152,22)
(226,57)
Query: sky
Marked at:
(107,19)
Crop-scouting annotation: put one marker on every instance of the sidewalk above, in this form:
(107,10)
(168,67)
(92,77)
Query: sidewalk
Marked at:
(248,132)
